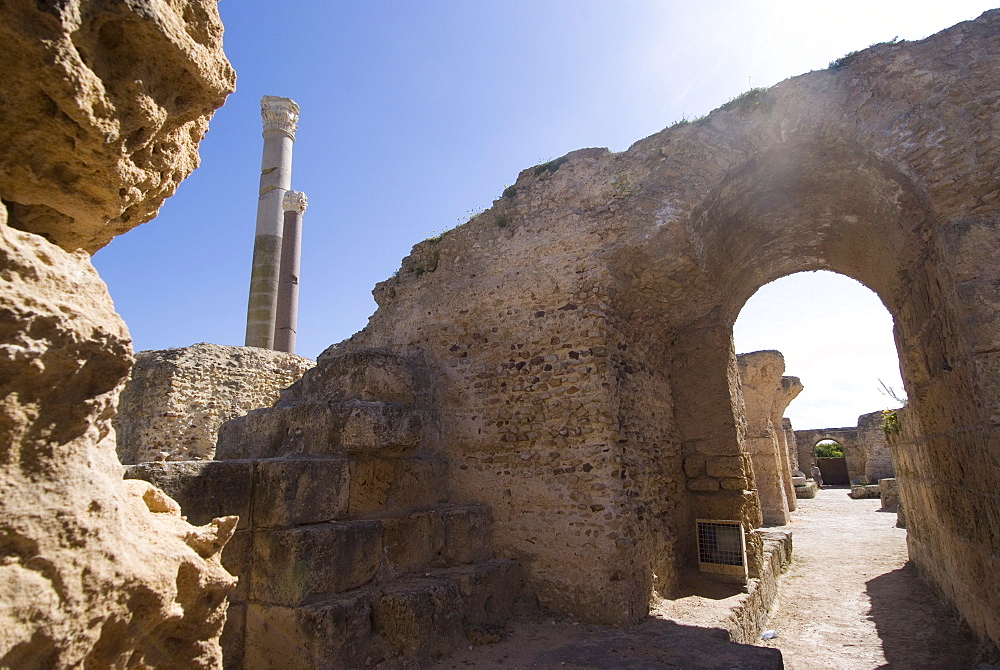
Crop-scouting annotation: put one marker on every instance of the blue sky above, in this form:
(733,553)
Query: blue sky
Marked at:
(417,114)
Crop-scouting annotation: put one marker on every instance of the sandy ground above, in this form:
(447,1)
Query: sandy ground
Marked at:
(850,601)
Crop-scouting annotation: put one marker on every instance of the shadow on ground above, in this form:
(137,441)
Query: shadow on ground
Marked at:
(651,645)
(694,583)
(907,616)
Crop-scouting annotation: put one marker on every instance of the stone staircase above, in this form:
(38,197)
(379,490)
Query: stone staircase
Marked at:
(348,551)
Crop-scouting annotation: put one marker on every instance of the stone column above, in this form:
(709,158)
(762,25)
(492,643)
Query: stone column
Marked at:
(761,380)
(279,116)
(788,390)
(294,205)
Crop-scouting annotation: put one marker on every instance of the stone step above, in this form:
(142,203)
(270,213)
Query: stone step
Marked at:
(318,428)
(371,375)
(296,566)
(274,493)
(417,617)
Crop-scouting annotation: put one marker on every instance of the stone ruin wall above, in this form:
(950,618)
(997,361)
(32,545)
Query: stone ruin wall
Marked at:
(846,437)
(866,449)
(790,444)
(586,383)
(580,329)
(875,446)
(175,399)
(104,105)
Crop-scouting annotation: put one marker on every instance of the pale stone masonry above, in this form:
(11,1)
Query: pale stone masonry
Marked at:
(571,349)
(866,450)
(766,394)
(579,332)
(176,399)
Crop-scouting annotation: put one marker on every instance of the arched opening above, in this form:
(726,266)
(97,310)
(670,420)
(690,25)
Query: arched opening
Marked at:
(811,205)
(828,449)
(829,460)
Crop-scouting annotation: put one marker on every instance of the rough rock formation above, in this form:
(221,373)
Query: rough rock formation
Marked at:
(95,572)
(176,399)
(579,332)
(103,104)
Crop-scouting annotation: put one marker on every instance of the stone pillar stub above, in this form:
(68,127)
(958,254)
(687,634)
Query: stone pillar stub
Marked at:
(279,117)
(286,321)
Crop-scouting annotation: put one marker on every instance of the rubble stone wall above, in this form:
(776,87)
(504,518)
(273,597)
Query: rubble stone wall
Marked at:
(103,107)
(580,331)
(847,438)
(873,442)
(176,399)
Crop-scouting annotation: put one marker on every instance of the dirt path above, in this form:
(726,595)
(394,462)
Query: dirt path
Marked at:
(850,600)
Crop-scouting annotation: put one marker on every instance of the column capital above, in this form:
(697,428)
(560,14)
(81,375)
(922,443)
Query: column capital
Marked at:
(295,201)
(279,114)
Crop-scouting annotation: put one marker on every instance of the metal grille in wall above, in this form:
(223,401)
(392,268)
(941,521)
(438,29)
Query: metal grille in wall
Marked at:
(722,548)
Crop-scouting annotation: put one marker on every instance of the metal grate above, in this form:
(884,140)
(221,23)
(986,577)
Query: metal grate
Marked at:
(722,550)
(720,542)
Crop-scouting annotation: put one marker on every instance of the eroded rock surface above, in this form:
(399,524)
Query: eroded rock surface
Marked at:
(95,571)
(103,107)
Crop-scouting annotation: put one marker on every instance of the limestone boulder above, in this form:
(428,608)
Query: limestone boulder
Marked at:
(102,108)
(95,571)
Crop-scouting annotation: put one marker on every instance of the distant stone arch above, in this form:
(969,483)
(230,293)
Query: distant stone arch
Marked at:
(579,333)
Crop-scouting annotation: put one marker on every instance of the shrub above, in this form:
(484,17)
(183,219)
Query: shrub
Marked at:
(890,422)
(829,450)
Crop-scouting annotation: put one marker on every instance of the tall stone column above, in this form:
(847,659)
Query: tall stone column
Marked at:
(294,205)
(280,116)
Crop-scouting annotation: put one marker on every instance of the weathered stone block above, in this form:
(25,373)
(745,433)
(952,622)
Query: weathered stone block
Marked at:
(391,484)
(236,559)
(414,541)
(375,427)
(368,375)
(420,618)
(889,493)
(335,635)
(277,431)
(733,484)
(694,466)
(300,564)
(468,534)
(233,633)
(859,491)
(300,491)
(489,590)
(806,491)
(724,466)
(703,484)
(176,399)
(204,489)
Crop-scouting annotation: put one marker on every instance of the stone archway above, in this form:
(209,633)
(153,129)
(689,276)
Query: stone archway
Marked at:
(846,437)
(578,335)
